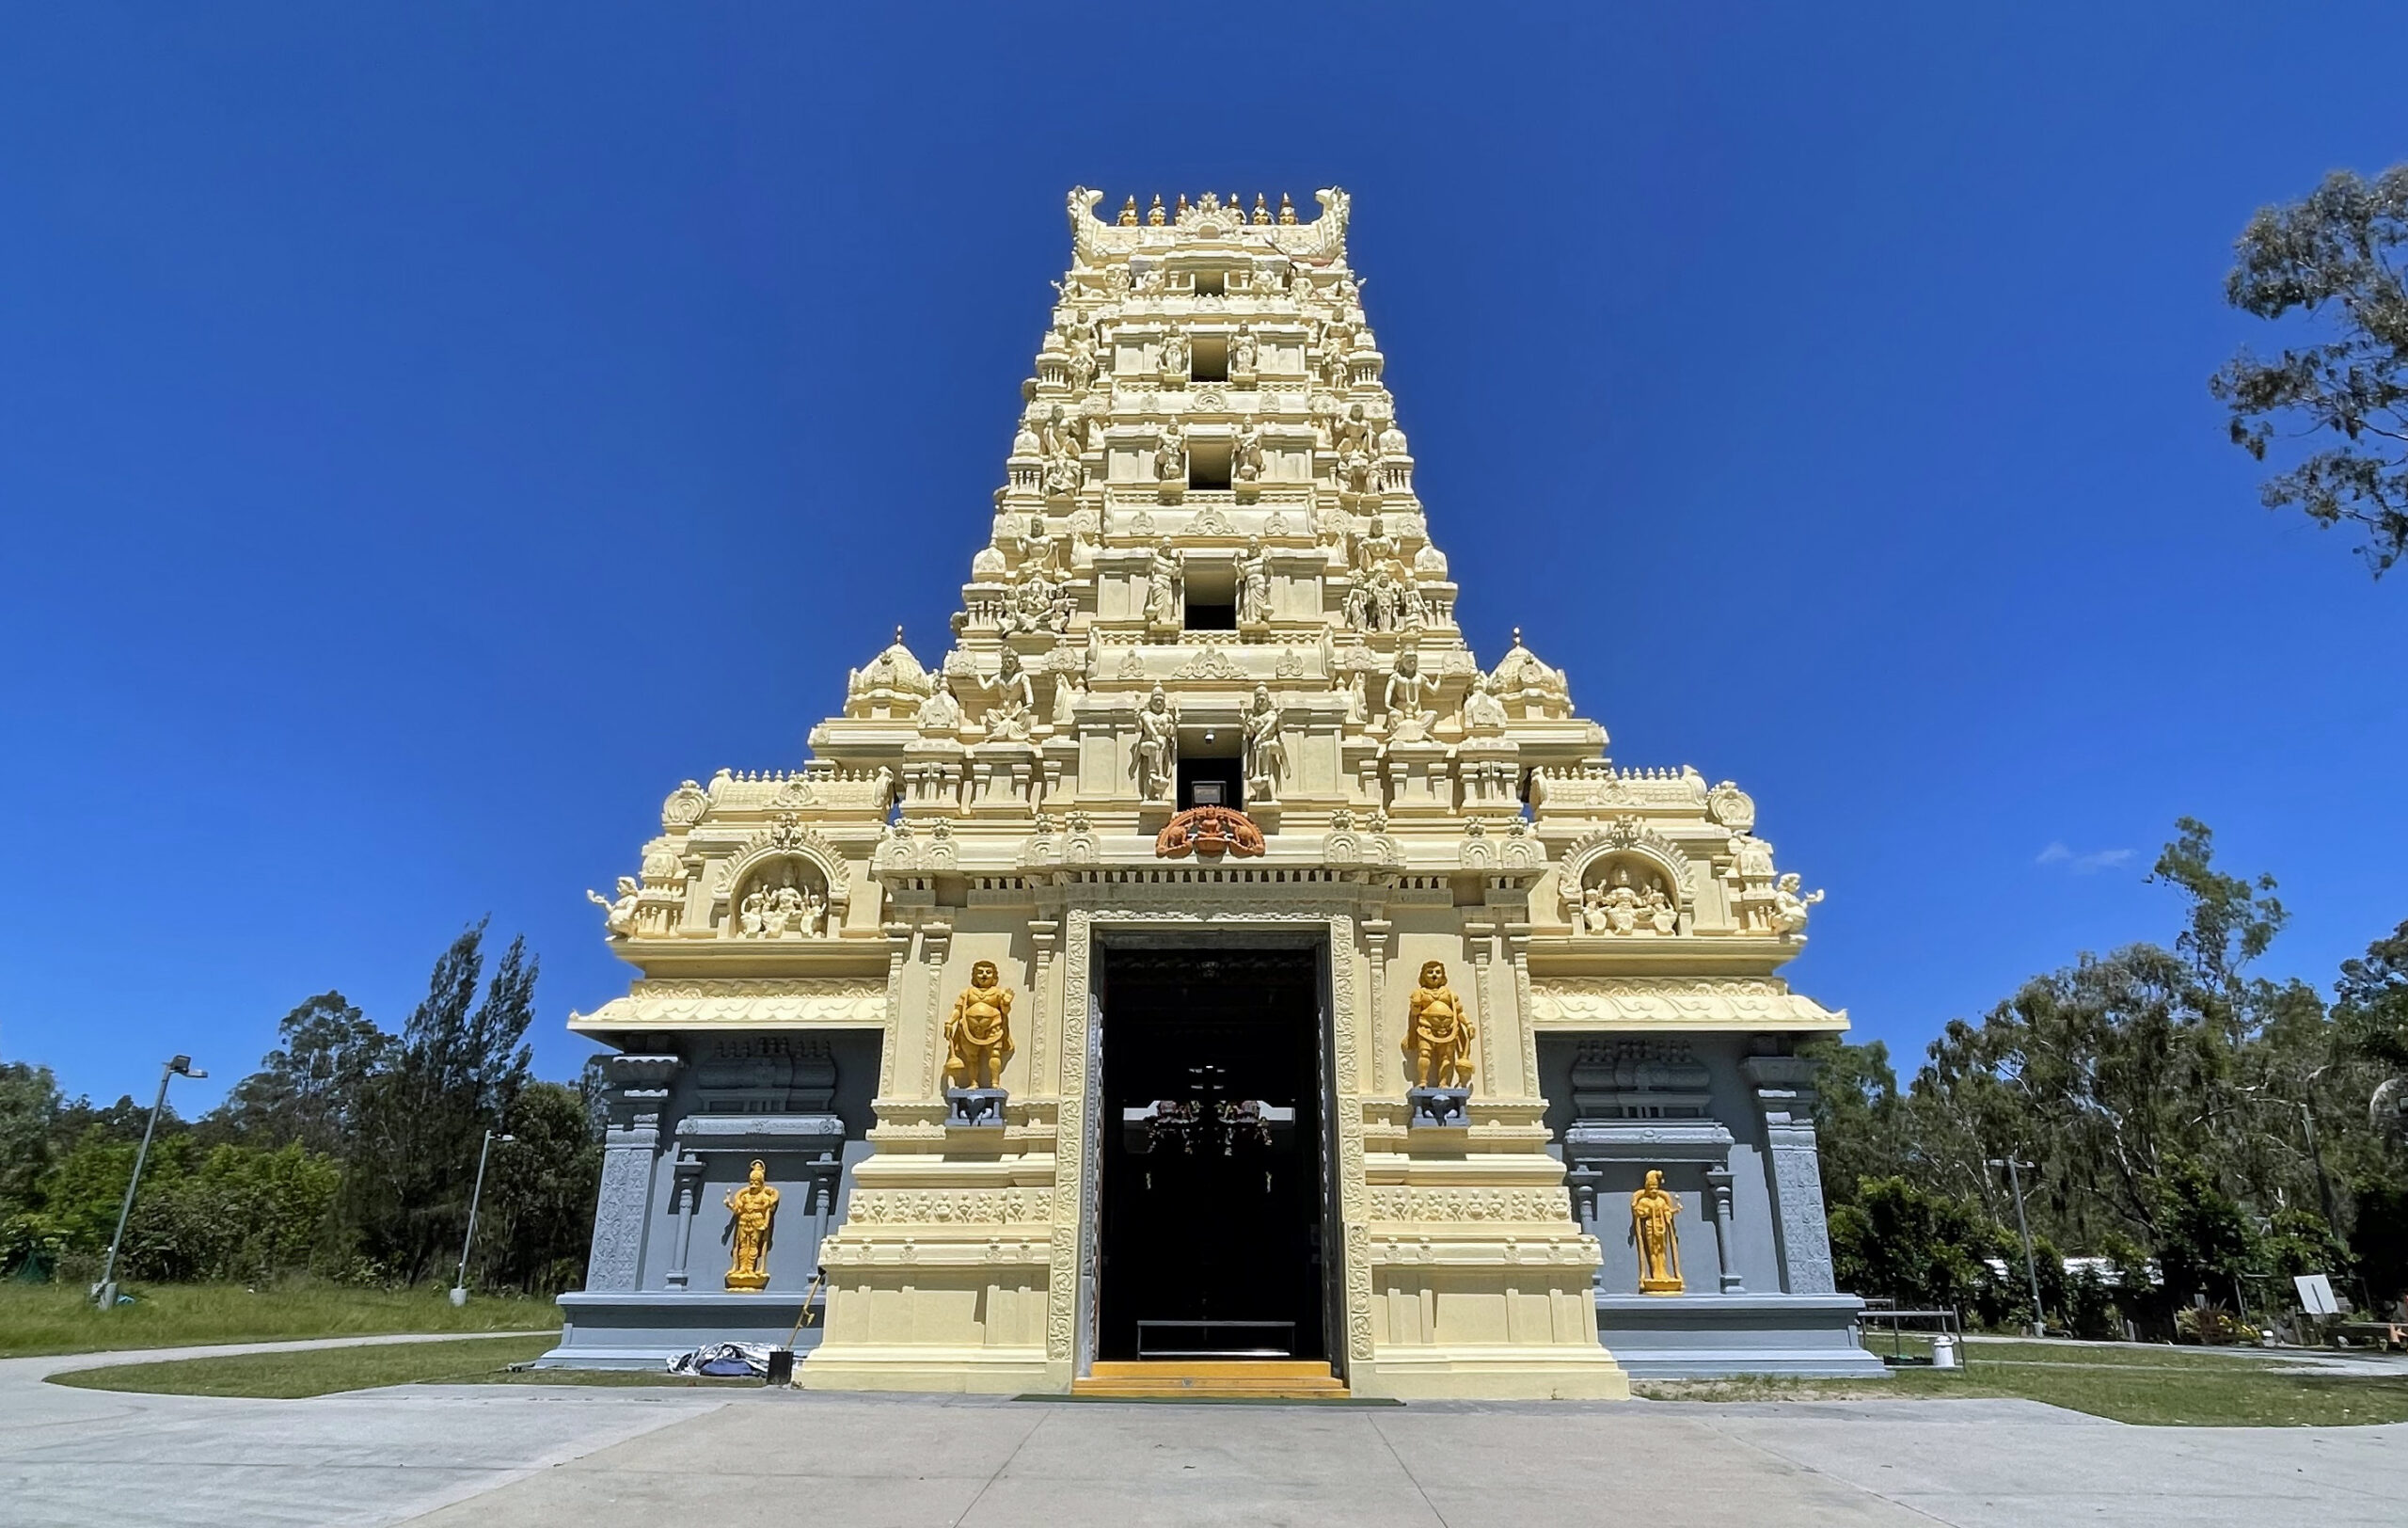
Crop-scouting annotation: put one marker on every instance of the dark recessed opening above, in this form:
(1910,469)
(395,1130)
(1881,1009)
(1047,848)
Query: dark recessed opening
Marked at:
(1215,778)
(1209,358)
(1203,617)
(1211,283)
(1208,464)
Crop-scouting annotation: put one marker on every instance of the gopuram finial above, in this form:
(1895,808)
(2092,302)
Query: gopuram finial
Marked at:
(1261,212)
(1128,213)
(1154,215)
(1287,209)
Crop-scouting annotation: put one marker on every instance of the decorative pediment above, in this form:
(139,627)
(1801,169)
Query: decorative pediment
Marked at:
(790,837)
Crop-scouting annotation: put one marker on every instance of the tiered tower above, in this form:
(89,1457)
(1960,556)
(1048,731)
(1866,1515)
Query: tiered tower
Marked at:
(1206,694)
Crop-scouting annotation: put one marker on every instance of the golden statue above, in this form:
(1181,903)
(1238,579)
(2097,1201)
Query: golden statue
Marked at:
(1438,1032)
(1658,1241)
(754,1206)
(978,1036)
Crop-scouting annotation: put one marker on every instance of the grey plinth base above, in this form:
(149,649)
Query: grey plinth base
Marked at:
(645,1330)
(1716,1336)
(974,1107)
(1438,1106)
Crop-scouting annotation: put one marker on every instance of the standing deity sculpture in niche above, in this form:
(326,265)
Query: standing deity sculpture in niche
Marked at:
(1266,756)
(1242,353)
(1245,458)
(978,1035)
(752,1212)
(1170,455)
(1164,576)
(1658,1241)
(1254,584)
(1175,357)
(1438,1032)
(1157,756)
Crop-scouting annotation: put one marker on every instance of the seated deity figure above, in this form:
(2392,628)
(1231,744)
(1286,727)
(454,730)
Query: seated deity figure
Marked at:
(1408,719)
(1789,905)
(618,916)
(1652,1232)
(1015,709)
(753,916)
(752,1212)
(1157,753)
(1375,548)
(1353,431)
(1438,1032)
(1266,756)
(1036,546)
(978,1035)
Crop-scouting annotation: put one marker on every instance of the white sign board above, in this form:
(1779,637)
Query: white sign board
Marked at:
(2316,1295)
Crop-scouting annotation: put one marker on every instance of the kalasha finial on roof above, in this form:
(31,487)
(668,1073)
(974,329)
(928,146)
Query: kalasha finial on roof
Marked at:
(1128,213)
(1155,216)
(1287,209)
(1261,212)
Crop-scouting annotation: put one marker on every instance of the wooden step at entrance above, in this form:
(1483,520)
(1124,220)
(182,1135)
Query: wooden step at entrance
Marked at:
(1251,1379)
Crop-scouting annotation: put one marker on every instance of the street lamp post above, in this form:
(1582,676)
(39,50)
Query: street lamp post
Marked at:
(2023,1229)
(460,1285)
(178,1066)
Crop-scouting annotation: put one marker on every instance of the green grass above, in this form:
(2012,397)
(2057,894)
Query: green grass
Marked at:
(2150,1386)
(318,1372)
(52,1318)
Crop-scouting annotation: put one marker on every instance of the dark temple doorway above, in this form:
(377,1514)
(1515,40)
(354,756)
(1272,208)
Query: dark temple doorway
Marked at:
(1213,1183)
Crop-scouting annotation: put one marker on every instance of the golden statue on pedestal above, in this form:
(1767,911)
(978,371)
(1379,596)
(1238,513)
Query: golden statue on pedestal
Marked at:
(754,1207)
(1658,1241)
(978,1036)
(1438,1032)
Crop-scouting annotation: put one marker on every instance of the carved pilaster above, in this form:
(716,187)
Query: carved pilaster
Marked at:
(1717,1189)
(1517,950)
(1376,932)
(638,1093)
(1043,933)
(1482,939)
(685,1195)
(936,939)
(1784,1087)
(898,956)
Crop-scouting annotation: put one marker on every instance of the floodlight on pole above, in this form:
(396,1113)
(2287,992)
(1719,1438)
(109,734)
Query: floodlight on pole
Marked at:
(460,1283)
(178,1066)
(2023,1229)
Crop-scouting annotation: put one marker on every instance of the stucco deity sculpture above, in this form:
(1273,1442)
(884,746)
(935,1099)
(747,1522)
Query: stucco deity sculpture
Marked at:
(1408,721)
(941,714)
(1352,431)
(1157,758)
(1164,576)
(1036,547)
(1170,455)
(618,916)
(1658,1241)
(1266,756)
(1627,902)
(1254,584)
(1789,905)
(1483,712)
(1438,1032)
(780,908)
(1067,691)
(1245,458)
(1242,351)
(1175,356)
(978,1035)
(753,1212)
(1015,709)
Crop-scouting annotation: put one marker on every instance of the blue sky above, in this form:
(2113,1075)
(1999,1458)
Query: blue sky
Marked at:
(427,434)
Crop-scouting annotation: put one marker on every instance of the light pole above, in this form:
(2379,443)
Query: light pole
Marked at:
(460,1285)
(106,1292)
(2023,1229)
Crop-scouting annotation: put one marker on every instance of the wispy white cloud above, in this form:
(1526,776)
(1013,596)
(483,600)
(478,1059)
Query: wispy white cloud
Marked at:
(2089,862)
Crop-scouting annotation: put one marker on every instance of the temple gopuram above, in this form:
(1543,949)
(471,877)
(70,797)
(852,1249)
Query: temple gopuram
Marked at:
(1205,974)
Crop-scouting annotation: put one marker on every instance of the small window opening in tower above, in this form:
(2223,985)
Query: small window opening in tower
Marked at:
(1208,464)
(1211,597)
(1211,283)
(1209,358)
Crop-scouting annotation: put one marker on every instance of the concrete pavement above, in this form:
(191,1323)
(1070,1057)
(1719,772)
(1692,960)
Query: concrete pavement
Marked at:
(500,1456)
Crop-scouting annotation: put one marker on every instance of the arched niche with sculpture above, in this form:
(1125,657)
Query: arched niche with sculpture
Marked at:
(788,883)
(1626,881)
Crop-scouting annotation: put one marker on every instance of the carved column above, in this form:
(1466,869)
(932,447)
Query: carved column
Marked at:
(639,1092)
(1784,1088)
(1481,937)
(1718,1191)
(898,955)
(1042,935)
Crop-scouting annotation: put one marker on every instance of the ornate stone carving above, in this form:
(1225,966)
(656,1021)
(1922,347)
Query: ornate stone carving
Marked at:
(751,1213)
(1208,831)
(1155,758)
(1657,1240)
(1438,1033)
(618,916)
(1266,756)
(978,1035)
(686,803)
